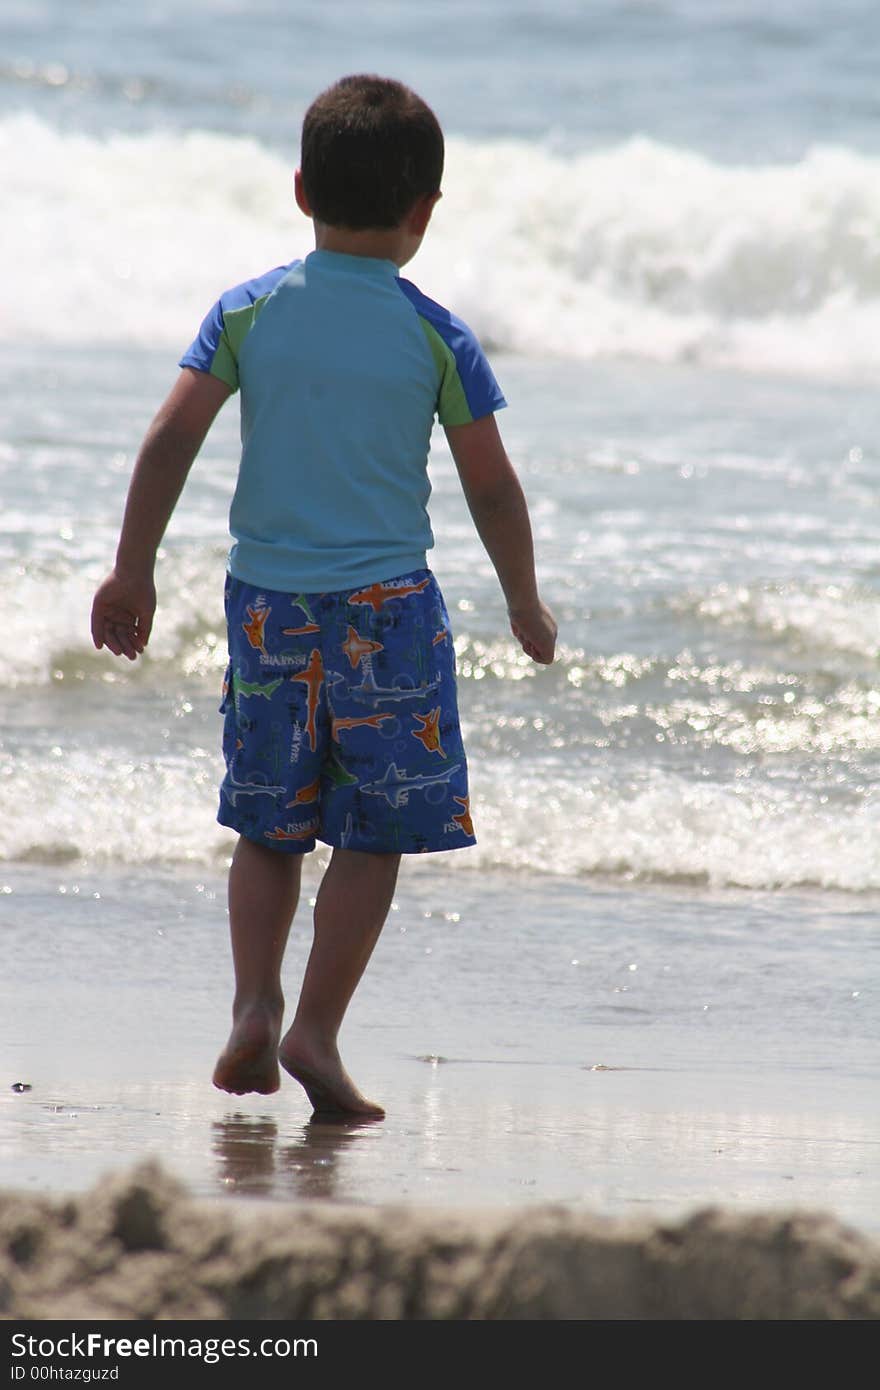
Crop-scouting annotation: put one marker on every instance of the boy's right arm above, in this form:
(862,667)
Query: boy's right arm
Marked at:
(498,506)
(123,607)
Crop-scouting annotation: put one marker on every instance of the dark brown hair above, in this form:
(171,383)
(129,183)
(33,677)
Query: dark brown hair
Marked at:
(370,148)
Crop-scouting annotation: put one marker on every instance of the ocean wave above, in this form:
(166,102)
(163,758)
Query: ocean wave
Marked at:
(669,829)
(637,250)
(46,637)
(795,632)
(159,810)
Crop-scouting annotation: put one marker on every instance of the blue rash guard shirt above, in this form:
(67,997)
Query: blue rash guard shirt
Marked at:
(342,367)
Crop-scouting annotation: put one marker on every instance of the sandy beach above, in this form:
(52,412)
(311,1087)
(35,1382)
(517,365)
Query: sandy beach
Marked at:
(610,1160)
(135,1247)
(512,1076)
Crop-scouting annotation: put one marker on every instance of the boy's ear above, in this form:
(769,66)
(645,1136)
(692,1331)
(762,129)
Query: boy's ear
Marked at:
(299,193)
(420,213)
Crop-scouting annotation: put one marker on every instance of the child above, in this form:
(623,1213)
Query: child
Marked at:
(340,708)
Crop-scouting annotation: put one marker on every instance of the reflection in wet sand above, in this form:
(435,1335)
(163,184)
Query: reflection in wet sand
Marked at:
(253,1162)
(245,1148)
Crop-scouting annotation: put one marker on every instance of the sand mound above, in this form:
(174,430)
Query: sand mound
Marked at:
(137,1247)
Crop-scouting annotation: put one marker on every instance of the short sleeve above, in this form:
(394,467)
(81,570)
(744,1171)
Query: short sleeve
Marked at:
(217,348)
(212,350)
(468,389)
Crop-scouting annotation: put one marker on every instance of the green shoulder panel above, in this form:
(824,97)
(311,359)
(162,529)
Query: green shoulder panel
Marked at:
(237,324)
(452,406)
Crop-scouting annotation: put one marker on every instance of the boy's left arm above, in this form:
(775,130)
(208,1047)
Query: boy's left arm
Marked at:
(498,506)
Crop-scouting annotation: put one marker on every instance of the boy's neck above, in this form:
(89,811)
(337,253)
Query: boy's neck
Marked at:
(393,244)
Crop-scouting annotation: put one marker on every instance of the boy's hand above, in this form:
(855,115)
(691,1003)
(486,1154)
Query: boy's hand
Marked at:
(122,614)
(535,630)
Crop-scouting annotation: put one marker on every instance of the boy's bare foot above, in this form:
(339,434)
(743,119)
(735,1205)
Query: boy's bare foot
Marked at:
(249,1062)
(325,1080)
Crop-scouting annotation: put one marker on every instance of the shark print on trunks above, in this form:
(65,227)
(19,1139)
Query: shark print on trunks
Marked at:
(341,719)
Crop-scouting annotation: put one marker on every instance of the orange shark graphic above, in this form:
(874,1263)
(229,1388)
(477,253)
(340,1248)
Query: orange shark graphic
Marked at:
(439,637)
(254,630)
(313,678)
(377,594)
(305,795)
(464,820)
(371,720)
(293,832)
(356,647)
(429,733)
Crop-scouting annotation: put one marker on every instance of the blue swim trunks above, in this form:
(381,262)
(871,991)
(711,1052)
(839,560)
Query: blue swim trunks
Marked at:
(341,719)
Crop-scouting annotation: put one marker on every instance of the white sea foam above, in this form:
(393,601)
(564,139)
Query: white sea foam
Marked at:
(45,633)
(637,250)
(160,810)
(670,829)
(45,637)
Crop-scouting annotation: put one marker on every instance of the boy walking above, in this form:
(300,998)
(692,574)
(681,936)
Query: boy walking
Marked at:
(341,723)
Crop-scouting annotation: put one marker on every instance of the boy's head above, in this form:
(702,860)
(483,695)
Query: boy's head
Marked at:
(370,149)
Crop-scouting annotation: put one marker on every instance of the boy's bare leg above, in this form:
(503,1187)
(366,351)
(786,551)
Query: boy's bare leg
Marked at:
(263,894)
(350,911)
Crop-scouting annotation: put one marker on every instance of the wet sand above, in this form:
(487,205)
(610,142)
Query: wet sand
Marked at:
(468,1132)
(605,1092)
